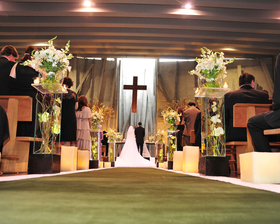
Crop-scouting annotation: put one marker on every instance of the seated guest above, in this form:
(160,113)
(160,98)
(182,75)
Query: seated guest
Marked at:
(4,128)
(7,60)
(19,82)
(189,117)
(245,94)
(267,120)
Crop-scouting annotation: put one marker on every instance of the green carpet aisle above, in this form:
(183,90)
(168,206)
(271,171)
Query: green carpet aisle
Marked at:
(133,195)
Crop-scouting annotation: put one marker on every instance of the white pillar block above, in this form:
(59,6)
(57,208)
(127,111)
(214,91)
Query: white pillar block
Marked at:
(178,161)
(107,164)
(260,167)
(68,161)
(83,160)
(190,159)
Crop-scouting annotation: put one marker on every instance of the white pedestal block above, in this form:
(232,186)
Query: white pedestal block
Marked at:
(107,164)
(260,167)
(178,161)
(83,160)
(68,160)
(100,164)
(160,165)
(153,160)
(190,159)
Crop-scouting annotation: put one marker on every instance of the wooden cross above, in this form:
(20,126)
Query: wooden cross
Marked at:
(134,88)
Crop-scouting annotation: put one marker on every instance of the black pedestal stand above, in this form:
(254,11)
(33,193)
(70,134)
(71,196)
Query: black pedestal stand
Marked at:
(214,166)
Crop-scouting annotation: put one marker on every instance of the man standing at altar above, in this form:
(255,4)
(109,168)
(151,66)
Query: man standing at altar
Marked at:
(245,94)
(7,60)
(140,134)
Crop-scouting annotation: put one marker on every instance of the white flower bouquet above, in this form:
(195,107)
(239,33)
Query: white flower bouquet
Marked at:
(111,134)
(161,136)
(211,67)
(50,62)
(96,118)
(171,117)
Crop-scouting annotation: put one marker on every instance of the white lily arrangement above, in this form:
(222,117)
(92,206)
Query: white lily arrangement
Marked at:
(211,67)
(96,118)
(171,117)
(50,62)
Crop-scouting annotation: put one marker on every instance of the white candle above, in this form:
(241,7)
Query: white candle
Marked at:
(225,85)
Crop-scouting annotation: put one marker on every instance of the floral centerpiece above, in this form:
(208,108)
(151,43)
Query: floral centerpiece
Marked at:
(111,134)
(119,137)
(151,138)
(211,68)
(161,136)
(51,63)
(96,118)
(170,117)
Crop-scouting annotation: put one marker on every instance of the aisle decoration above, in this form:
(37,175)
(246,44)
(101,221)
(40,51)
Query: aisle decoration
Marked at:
(111,135)
(161,136)
(211,68)
(170,117)
(96,118)
(102,113)
(51,63)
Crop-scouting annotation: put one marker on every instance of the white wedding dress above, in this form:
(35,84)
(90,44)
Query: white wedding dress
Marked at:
(130,157)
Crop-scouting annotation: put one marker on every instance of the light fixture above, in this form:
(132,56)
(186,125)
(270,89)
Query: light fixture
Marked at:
(87,3)
(188,6)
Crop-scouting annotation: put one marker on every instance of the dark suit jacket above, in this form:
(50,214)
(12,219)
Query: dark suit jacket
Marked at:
(273,117)
(4,127)
(246,94)
(140,134)
(5,69)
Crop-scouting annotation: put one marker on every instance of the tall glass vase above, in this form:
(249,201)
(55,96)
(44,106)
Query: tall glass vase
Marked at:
(160,152)
(213,142)
(46,145)
(111,149)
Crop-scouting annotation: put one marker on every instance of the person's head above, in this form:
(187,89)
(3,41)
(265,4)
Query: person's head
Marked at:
(68,82)
(28,53)
(247,79)
(82,101)
(9,52)
(191,103)
(139,123)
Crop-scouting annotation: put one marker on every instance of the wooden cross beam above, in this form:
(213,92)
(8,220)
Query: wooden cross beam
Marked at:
(134,88)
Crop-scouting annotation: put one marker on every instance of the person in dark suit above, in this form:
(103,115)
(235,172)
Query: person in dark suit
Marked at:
(140,134)
(19,82)
(267,120)
(7,60)
(245,94)
(4,128)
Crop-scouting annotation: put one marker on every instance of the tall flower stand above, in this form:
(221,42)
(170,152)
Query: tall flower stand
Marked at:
(213,161)
(111,151)
(95,155)
(171,147)
(46,153)
(161,153)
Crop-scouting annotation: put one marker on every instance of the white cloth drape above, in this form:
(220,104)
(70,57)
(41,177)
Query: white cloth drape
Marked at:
(144,69)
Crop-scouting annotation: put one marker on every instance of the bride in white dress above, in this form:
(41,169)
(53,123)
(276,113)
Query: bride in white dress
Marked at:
(130,157)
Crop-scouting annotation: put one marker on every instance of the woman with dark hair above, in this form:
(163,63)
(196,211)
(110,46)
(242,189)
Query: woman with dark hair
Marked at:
(180,127)
(68,117)
(83,115)
(19,82)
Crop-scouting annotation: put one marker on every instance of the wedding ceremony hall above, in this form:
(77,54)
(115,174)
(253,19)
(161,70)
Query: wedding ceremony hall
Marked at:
(136,111)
